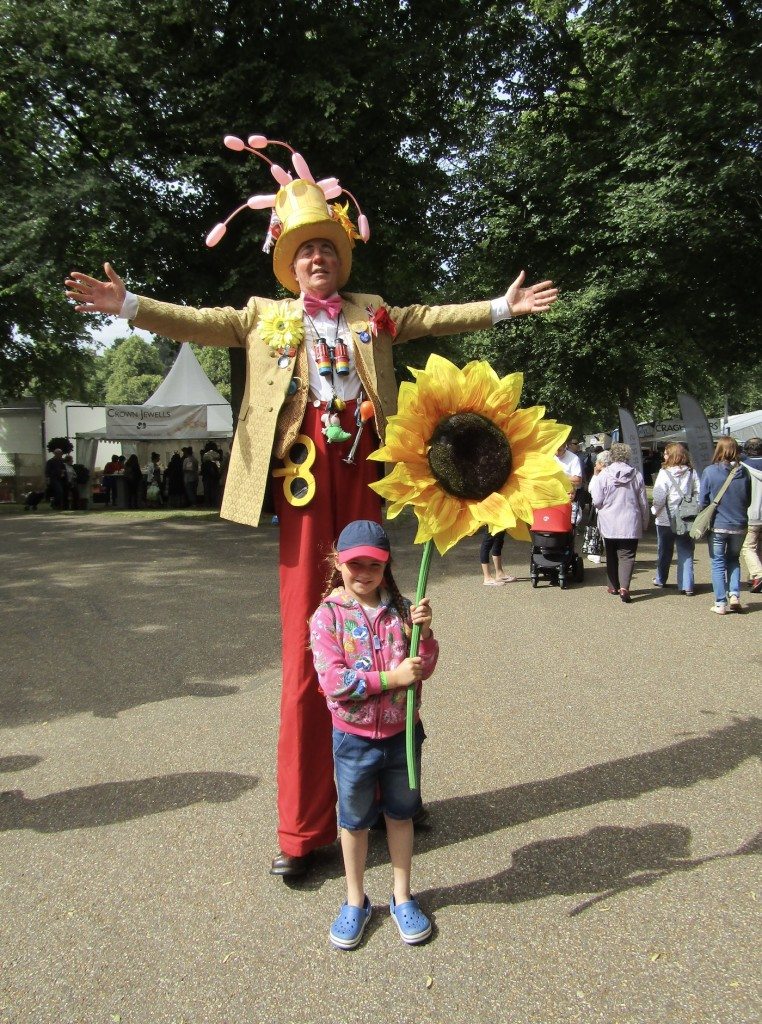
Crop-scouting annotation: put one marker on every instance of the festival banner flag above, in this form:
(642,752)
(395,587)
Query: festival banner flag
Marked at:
(153,422)
(631,437)
(697,432)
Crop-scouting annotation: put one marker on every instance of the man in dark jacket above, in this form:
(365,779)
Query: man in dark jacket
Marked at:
(55,474)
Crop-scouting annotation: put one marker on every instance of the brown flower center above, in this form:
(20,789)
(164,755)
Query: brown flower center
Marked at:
(469,456)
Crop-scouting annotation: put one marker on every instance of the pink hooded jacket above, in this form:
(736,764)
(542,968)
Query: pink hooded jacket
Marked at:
(351,651)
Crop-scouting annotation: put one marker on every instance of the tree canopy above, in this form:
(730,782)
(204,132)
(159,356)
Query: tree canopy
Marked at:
(113,145)
(623,159)
(610,145)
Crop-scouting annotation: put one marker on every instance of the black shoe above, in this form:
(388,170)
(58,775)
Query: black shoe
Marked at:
(290,867)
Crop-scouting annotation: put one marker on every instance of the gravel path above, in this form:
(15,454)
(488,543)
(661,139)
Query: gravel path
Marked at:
(591,771)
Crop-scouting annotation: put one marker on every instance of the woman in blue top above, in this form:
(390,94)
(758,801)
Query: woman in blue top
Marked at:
(729,526)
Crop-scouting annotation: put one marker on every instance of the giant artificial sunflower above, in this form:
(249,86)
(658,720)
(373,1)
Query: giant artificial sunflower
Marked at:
(281,327)
(466,456)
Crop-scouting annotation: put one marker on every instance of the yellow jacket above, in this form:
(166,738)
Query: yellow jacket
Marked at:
(269,419)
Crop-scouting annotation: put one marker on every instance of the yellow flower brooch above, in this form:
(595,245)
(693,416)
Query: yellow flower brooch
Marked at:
(341,214)
(282,328)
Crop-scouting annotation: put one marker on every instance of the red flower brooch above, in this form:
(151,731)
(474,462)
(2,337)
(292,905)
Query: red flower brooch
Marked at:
(379,320)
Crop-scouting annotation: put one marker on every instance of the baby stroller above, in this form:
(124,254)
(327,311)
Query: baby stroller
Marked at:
(553,557)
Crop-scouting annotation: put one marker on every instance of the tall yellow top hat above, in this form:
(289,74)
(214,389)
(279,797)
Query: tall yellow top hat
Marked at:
(300,212)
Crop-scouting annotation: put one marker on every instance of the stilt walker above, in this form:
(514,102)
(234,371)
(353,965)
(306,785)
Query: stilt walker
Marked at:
(320,386)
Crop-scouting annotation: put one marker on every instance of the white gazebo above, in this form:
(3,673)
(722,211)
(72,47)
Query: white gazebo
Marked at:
(185,408)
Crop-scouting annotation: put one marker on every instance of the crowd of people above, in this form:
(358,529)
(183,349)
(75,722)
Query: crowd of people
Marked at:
(175,485)
(605,487)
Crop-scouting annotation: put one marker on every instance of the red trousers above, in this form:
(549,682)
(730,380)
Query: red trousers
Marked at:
(306,791)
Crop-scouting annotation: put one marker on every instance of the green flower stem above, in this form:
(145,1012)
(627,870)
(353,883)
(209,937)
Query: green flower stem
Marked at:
(423,577)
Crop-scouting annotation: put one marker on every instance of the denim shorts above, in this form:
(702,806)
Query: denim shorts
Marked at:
(371,778)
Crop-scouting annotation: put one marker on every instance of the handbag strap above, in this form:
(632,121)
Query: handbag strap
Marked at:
(716,501)
(676,485)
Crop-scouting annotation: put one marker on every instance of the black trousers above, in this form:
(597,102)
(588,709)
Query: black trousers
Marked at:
(491,546)
(620,561)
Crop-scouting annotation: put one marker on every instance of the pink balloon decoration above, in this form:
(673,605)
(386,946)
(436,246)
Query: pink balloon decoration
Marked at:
(234,143)
(281,176)
(331,187)
(301,168)
(215,235)
(260,202)
(363,227)
(257,141)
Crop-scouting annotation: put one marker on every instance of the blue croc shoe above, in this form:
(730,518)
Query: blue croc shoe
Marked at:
(413,925)
(346,931)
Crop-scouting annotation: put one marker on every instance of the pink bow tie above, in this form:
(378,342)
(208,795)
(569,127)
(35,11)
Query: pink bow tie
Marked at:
(313,305)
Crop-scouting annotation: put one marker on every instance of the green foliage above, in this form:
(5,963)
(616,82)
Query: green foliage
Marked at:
(610,145)
(215,363)
(62,443)
(624,163)
(130,372)
(112,146)
(167,350)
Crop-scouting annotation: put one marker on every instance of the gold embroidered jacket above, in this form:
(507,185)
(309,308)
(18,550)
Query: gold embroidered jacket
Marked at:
(269,419)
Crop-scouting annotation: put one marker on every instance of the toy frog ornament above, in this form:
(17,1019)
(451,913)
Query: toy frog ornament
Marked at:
(332,428)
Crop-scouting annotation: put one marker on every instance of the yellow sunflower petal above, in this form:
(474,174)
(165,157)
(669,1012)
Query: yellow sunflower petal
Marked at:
(404,444)
(463,526)
(495,510)
(522,422)
(479,382)
(440,387)
(520,531)
(505,397)
(521,505)
(546,437)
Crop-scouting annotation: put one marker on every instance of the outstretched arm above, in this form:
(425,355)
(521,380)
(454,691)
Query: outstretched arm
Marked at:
(537,298)
(93,296)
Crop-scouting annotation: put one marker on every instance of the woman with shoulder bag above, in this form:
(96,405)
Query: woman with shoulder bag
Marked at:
(676,483)
(730,521)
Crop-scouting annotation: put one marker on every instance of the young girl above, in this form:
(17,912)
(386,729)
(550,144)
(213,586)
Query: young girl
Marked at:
(360,641)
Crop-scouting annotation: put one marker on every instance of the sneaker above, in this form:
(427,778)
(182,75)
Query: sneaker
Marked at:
(346,931)
(412,923)
(734,604)
(720,608)
(658,583)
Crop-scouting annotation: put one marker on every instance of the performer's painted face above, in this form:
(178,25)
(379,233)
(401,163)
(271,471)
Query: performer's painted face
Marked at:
(316,267)
(362,578)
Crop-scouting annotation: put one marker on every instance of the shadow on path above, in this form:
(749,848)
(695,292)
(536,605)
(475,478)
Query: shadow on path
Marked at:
(18,762)
(607,860)
(608,857)
(111,802)
(676,766)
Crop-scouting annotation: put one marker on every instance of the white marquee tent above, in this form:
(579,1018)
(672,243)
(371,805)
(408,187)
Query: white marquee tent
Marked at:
(186,403)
